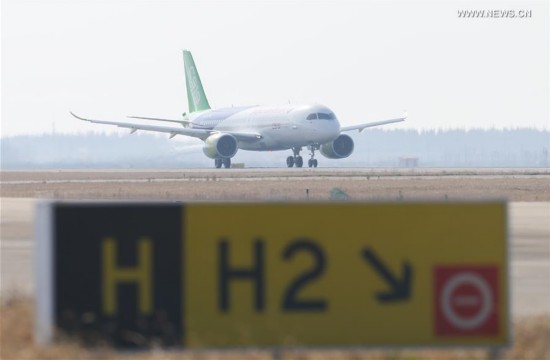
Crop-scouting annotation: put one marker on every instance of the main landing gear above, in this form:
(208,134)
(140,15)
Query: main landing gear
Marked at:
(298,161)
(225,162)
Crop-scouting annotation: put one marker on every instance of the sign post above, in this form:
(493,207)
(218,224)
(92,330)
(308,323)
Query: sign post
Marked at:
(271,275)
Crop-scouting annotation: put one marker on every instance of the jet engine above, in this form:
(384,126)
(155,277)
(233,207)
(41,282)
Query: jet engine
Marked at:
(339,148)
(220,146)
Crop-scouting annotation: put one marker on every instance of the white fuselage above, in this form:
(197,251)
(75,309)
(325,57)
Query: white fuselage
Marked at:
(279,127)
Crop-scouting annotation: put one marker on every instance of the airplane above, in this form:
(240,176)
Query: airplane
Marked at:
(254,128)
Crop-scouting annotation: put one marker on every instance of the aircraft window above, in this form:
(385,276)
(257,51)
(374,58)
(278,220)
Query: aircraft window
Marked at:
(324,116)
(312,116)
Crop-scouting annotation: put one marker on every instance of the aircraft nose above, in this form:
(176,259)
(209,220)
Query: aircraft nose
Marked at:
(329,130)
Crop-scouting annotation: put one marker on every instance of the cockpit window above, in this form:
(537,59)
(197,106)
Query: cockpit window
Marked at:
(323,116)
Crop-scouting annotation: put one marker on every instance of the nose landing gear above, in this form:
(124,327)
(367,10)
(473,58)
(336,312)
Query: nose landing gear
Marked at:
(312,162)
(298,161)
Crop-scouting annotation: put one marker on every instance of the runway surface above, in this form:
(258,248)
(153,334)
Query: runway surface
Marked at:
(161,175)
(526,190)
(275,184)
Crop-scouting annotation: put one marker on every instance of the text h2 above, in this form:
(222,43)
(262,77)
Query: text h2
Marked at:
(255,273)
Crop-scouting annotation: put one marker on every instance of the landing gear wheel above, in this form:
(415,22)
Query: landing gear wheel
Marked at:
(299,161)
(226,163)
(312,162)
(218,163)
(290,161)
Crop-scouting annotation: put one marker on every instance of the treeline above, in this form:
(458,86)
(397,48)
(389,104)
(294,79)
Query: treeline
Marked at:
(373,148)
(459,148)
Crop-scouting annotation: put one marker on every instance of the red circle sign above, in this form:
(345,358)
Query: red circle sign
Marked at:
(465,300)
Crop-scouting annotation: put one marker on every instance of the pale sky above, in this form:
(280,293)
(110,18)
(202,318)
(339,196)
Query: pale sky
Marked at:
(366,60)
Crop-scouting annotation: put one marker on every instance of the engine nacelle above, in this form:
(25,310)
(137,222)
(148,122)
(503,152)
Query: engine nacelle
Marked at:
(339,148)
(220,146)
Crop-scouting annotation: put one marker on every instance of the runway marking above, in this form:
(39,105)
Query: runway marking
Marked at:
(279,177)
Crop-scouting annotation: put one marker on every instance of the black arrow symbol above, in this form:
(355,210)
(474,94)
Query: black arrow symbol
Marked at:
(400,288)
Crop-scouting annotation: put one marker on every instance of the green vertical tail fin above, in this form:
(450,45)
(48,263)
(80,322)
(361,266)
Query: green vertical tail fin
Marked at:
(195,93)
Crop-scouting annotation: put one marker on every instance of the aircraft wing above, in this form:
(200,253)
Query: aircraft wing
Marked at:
(181,122)
(173,131)
(362,127)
